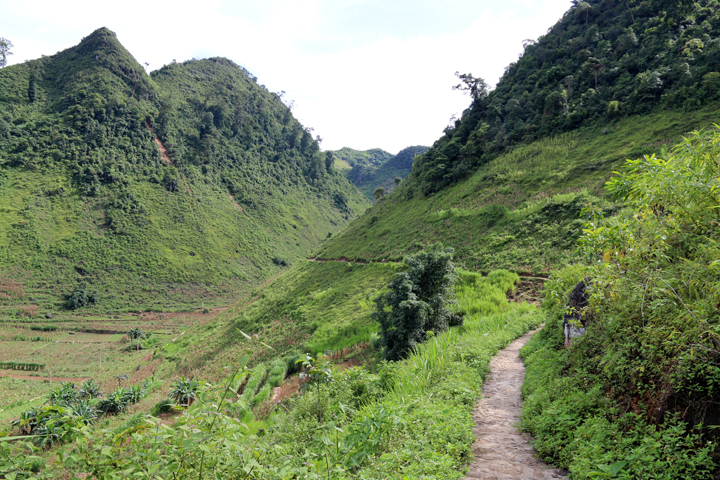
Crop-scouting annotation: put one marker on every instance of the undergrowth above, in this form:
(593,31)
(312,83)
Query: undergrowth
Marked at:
(637,396)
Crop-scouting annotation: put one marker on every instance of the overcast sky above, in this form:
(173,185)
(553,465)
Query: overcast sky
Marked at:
(363,73)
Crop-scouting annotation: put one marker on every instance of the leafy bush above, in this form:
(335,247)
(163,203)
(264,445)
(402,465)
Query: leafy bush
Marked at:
(417,302)
(183,391)
(80,297)
(633,393)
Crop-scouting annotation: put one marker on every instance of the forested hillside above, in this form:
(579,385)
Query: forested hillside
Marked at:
(506,184)
(154,190)
(368,177)
(603,60)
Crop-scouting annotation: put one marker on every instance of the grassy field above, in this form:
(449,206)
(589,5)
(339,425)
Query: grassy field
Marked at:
(76,348)
(519,211)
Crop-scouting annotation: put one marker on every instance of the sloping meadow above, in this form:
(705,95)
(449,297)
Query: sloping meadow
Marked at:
(406,420)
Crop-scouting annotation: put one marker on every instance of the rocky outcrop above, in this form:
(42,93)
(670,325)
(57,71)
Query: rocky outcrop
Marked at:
(574,320)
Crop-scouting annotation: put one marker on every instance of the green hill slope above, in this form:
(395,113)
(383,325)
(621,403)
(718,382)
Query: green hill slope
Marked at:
(156,190)
(565,115)
(519,211)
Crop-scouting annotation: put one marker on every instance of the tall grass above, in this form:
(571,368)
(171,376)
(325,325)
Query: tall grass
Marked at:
(488,313)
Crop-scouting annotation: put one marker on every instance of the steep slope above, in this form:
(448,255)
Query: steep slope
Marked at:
(155,190)
(602,61)
(490,185)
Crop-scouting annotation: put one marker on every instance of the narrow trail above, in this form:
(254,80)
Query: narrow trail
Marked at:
(501,451)
(45,377)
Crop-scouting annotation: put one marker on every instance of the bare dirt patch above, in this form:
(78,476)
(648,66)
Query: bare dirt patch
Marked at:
(234,202)
(528,290)
(501,451)
(163,150)
(11,288)
(287,389)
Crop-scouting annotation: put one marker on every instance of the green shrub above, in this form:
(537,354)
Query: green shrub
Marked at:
(418,302)
(163,406)
(80,297)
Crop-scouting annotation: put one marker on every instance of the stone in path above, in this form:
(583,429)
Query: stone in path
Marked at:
(501,451)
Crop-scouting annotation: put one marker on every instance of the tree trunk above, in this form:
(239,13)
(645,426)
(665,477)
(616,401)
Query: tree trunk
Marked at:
(627,4)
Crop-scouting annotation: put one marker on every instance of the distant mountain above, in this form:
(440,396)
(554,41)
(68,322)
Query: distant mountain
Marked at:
(368,173)
(348,157)
(157,190)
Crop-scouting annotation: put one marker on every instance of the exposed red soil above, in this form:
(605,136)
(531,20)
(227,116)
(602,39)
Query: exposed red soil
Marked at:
(528,290)
(163,150)
(234,202)
(287,389)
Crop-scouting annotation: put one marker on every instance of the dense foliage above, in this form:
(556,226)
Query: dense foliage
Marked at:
(418,302)
(192,175)
(646,372)
(604,59)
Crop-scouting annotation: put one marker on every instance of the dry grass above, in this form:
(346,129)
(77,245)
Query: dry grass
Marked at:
(29,310)
(11,288)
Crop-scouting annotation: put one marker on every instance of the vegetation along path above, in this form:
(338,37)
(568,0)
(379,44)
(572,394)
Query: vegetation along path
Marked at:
(501,451)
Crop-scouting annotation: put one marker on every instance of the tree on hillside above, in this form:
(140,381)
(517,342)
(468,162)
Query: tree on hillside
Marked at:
(5,46)
(329,160)
(379,193)
(136,334)
(32,88)
(474,86)
(417,302)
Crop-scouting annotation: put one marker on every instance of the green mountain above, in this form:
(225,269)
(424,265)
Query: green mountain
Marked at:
(506,184)
(156,190)
(348,158)
(370,177)
(514,184)
(602,61)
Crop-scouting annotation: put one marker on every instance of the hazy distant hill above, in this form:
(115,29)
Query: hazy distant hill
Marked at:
(369,173)
(372,158)
(155,189)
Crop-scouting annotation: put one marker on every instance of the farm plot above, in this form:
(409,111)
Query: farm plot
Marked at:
(76,348)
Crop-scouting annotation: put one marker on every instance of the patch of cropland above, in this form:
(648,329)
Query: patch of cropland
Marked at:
(314,307)
(177,189)
(369,177)
(346,424)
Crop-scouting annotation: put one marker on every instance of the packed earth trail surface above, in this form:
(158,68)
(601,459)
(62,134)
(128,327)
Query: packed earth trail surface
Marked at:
(501,451)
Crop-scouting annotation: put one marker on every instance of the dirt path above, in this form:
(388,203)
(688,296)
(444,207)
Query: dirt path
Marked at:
(501,451)
(45,377)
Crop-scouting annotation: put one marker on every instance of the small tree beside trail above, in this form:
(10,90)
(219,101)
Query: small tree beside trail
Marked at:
(417,302)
